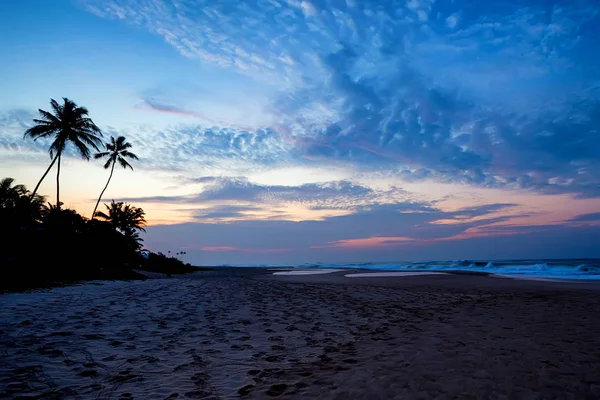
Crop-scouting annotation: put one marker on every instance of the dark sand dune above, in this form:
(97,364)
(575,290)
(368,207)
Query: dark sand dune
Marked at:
(245,333)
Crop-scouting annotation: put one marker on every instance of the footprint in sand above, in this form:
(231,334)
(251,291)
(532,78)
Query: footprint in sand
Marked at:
(245,391)
(274,358)
(61,333)
(277,389)
(88,373)
(254,372)
(93,336)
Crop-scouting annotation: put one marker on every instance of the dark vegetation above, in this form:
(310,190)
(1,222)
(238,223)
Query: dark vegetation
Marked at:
(44,244)
(158,262)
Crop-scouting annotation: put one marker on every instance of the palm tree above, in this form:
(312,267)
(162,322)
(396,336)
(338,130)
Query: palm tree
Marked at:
(67,123)
(117,152)
(9,194)
(17,207)
(124,218)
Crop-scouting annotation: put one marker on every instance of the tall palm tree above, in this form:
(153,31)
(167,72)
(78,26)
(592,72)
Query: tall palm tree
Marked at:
(67,123)
(116,152)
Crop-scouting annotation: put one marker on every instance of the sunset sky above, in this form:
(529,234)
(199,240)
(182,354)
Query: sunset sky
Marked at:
(285,131)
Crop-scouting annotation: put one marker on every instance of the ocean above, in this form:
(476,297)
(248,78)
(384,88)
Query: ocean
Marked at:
(577,268)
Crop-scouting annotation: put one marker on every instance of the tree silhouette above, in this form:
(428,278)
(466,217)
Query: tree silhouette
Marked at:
(67,244)
(67,123)
(9,194)
(63,220)
(116,152)
(18,209)
(124,218)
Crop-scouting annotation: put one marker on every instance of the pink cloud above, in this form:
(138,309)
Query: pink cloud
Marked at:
(167,109)
(377,241)
(231,248)
(390,241)
(220,248)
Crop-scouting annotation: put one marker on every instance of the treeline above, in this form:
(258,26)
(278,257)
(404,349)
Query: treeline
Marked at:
(43,243)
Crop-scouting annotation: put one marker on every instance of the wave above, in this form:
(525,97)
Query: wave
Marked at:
(562,269)
(581,269)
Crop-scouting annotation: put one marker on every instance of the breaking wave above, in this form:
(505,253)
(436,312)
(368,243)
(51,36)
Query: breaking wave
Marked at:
(581,269)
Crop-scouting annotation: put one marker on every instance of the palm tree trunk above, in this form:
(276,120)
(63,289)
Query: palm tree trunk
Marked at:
(43,176)
(101,193)
(58,183)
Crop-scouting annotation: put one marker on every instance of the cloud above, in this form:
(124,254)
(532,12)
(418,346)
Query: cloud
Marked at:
(191,148)
(240,189)
(230,199)
(219,248)
(452,21)
(224,212)
(158,106)
(476,211)
(13,124)
(171,109)
(509,97)
(592,217)
(379,233)
(368,243)
(230,248)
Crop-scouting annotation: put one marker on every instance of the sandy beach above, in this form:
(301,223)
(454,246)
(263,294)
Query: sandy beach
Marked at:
(246,333)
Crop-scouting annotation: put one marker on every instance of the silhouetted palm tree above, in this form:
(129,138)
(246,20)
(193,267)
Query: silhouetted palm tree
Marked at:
(123,217)
(67,123)
(117,152)
(17,207)
(10,194)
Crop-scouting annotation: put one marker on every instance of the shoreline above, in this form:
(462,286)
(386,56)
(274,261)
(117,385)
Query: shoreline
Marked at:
(457,279)
(326,273)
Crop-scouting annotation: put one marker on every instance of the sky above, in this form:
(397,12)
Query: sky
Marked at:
(285,131)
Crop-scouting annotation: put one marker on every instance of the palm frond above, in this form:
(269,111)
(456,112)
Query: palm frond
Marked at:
(84,150)
(39,131)
(101,154)
(102,215)
(49,117)
(124,163)
(58,109)
(109,162)
(129,155)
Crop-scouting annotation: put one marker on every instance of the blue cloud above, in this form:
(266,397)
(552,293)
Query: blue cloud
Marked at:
(328,195)
(224,211)
(413,220)
(592,217)
(241,189)
(491,94)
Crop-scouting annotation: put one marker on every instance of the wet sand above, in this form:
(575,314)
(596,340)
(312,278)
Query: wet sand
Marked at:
(246,333)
